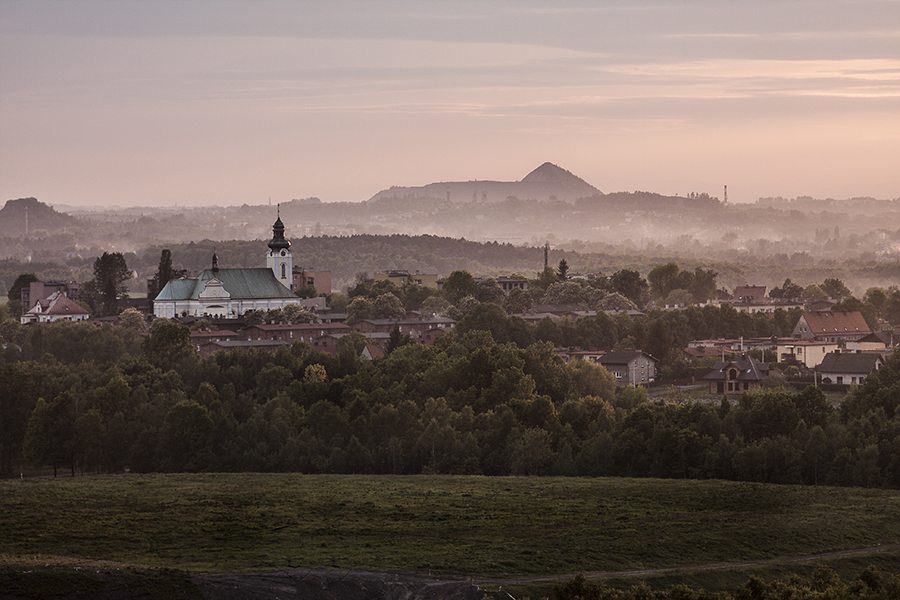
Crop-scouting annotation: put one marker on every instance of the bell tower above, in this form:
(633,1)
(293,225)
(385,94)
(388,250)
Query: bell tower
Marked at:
(279,257)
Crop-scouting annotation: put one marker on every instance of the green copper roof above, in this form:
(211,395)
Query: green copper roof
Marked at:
(240,283)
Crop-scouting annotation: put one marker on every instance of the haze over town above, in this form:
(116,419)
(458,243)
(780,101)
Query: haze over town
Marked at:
(192,103)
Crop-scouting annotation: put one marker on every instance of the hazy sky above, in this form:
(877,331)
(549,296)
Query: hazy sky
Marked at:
(224,102)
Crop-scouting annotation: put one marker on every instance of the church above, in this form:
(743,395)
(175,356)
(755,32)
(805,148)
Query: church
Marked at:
(229,293)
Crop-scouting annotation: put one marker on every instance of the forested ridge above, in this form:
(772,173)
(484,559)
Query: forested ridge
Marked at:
(83,398)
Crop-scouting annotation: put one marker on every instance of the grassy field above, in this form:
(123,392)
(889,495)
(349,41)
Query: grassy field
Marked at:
(443,525)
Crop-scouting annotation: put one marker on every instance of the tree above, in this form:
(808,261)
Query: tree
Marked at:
(562,271)
(458,285)
(396,340)
(14,295)
(679,297)
(703,285)
(876,297)
(545,278)
(812,291)
(484,317)
(434,306)
(164,271)
(296,313)
(168,343)
(835,288)
(663,279)
(631,285)
(518,301)
(50,437)
(387,306)
(488,290)
(133,319)
(307,292)
(360,308)
(187,437)
(110,274)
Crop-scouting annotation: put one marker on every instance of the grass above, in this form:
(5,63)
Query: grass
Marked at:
(448,525)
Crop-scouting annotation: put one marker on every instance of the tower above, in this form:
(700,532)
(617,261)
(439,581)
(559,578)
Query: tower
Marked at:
(279,258)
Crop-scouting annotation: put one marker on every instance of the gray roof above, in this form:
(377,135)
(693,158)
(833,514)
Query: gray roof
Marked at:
(749,369)
(623,357)
(862,363)
(240,283)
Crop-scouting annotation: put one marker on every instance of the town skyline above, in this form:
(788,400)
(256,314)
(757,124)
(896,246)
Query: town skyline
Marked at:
(171,103)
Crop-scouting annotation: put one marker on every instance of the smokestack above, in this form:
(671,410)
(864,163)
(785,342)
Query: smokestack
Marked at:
(726,195)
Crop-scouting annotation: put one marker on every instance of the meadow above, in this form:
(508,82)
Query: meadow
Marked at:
(481,527)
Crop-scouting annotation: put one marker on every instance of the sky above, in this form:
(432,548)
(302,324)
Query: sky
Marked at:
(202,102)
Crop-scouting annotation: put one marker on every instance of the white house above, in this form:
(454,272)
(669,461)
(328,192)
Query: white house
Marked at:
(56,307)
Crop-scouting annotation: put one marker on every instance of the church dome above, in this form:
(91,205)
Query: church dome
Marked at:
(278,241)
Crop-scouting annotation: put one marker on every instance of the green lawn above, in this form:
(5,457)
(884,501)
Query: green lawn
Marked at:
(479,526)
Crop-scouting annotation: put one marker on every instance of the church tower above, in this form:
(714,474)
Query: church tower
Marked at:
(279,258)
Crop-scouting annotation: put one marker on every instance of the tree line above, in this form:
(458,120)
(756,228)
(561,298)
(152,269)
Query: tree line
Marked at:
(467,404)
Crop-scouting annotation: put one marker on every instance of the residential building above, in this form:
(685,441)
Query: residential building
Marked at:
(40,290)
(56,307)
(846,368)
(508,284)
(749,294)
(424,331)
(201,338)
(630,367)
(738,375)
(303,332)
(831,326)
(880,340)
(804,353)
(401,278)
(321,280)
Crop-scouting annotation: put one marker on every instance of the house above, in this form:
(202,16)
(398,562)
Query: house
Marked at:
(805,353)
(229,293)
(630,367)
(56,307)
(750,294)
(508,284)
(880,340)
(373,351)
(739,375)
(846,368)
(839,327)
(571,354)
(401,278)
(424,331)
(201,338)
(293,332)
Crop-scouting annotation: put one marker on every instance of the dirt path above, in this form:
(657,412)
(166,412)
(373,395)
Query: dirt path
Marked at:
(751,563)
(322,584)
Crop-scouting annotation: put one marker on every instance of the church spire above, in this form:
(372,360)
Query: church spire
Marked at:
(279,257)
(278,241)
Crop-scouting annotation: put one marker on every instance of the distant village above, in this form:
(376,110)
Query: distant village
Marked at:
(227,309)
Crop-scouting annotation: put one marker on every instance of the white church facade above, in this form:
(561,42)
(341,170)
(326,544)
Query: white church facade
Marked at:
(229,293)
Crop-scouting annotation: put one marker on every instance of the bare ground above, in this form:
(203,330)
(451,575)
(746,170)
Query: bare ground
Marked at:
(114,581)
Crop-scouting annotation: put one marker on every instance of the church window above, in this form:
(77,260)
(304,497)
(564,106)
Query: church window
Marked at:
(283,267)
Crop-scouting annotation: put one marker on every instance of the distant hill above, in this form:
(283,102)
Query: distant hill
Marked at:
(29,217)
(547,182)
